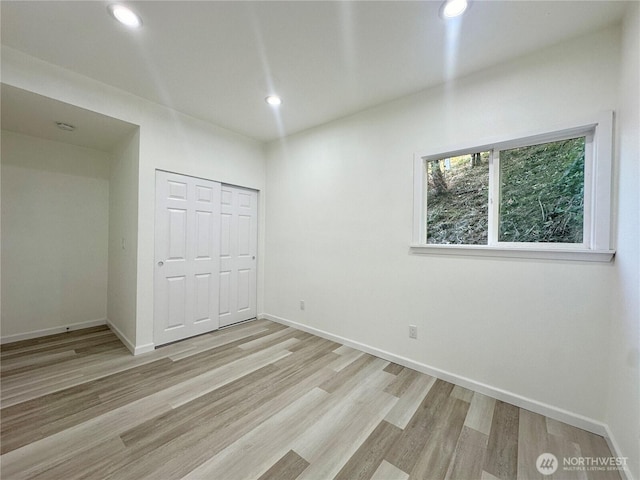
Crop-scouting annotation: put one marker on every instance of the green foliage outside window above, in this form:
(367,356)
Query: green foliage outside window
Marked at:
(542,193)
(457,200)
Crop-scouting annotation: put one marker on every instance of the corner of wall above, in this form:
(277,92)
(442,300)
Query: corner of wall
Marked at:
(622,414)
(123,239)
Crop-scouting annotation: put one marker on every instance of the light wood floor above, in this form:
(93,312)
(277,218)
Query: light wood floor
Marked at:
(257,401)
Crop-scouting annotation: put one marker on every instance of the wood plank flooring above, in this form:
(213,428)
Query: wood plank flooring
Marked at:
(257,401)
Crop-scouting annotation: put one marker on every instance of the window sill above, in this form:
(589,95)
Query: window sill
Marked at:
(603,256)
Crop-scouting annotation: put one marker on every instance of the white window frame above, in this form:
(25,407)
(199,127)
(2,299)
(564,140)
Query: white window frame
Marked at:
(596,245)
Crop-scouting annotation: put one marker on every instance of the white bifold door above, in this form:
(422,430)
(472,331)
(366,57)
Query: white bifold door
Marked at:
(205,256)
(238,250)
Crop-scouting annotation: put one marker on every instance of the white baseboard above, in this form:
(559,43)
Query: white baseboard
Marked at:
(617,452)
(51,331)
(550,411)
(149,347)
(128,343)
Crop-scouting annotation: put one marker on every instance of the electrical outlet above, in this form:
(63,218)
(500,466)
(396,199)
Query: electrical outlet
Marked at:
(413,331)
(301,304)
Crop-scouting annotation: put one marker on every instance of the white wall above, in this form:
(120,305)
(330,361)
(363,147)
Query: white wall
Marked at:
(339,222)
(123,238)
(180,144)
(623,405)
(168,140)
(55,203)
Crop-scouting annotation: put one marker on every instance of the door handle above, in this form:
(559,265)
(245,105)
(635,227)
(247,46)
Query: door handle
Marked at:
(253,258)
(160,263)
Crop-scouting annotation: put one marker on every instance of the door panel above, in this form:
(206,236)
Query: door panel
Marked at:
(177,240)
(177,190)
(203,298)
(239,242)
(244,235)
(204,242)
(186,253)
(225,293)
(243,290)
(204,194)
(225,236)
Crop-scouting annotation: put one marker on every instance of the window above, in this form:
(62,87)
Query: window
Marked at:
(542,196)
(542,193)
(458,199)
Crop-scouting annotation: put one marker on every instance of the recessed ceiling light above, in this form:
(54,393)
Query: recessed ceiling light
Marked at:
(65,126)
(453,8)
(125,16)
(273,100)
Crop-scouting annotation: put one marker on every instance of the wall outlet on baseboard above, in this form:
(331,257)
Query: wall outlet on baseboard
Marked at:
(413,331)
(301,304)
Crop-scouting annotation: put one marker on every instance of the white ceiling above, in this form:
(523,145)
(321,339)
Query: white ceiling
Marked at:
(30,114)
(217,60)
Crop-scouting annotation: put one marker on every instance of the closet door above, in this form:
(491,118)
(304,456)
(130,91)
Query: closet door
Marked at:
(238,250)
(187,256)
